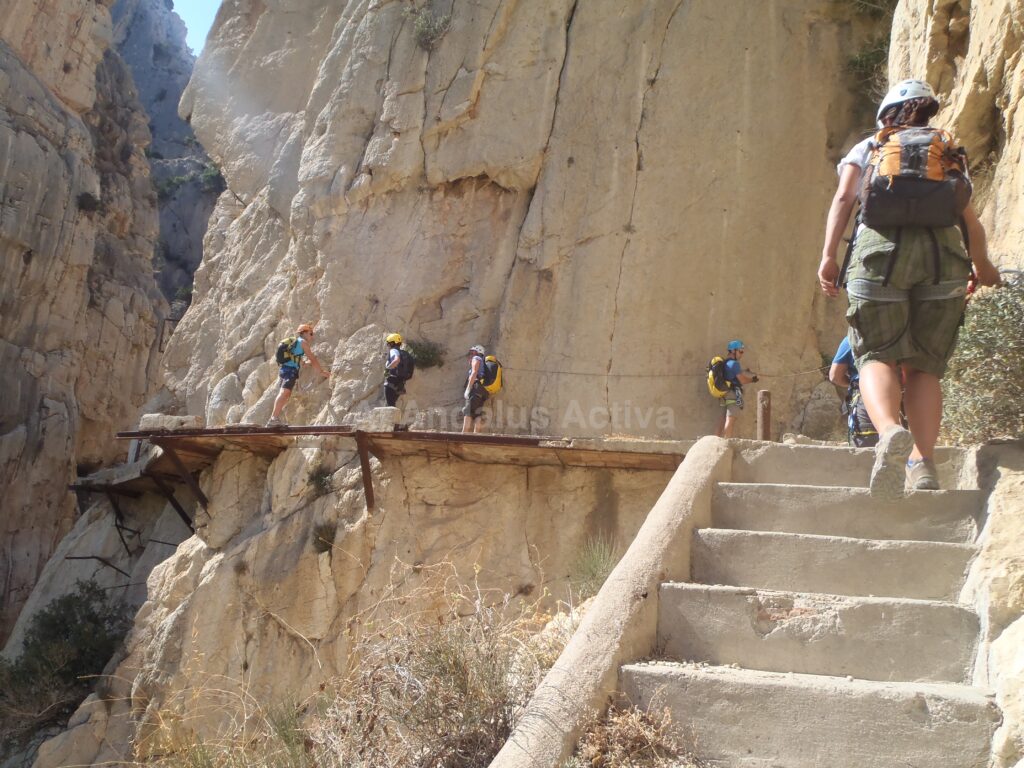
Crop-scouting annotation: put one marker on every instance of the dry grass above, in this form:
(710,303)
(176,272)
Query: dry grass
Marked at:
(984,386)
(440,672)
(627,736)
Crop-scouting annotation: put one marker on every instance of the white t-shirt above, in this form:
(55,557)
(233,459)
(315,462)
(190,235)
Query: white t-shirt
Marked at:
(393,354)
(857,156)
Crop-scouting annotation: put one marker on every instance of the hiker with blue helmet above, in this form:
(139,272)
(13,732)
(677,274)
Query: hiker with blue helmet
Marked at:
(906,273)
(735,377)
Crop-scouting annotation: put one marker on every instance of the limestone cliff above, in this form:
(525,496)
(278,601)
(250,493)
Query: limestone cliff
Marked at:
(601,193)
(79,312)
(150,37)
(971,54)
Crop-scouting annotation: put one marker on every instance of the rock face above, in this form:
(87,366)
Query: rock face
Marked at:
(593,191)
(150,37)
(80,315)
(996,585)
(293,564)
(970,53)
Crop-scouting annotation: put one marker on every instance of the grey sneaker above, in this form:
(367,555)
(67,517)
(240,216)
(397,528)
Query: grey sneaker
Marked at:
(888,475)
(277,423)
(922,475)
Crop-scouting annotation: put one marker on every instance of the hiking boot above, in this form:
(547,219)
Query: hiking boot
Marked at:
(922,475)
(888,476)
(277,423)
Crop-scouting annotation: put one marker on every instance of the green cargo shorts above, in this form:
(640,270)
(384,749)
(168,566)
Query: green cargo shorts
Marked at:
(911,318)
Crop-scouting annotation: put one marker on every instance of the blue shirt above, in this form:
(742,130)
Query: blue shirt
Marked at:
(733,369)
(844,356)
(297,351)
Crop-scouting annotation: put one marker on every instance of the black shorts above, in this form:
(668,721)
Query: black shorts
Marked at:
(475,403)
(289,375)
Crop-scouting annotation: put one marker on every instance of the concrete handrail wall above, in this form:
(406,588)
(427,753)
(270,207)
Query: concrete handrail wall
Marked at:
(621,624)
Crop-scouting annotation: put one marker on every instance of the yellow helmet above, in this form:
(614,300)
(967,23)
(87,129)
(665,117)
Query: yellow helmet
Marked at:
(393,338)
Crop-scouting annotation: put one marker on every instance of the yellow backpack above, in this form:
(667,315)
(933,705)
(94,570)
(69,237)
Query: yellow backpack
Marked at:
(492,375)
(718,385)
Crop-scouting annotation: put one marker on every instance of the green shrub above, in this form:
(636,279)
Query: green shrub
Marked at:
(428,27)
(984,386)
(427,354)
(66,644)
(323,536)
(88,202)
(595,561)
(870,65)
(165,188)
(320,478)
(211,179)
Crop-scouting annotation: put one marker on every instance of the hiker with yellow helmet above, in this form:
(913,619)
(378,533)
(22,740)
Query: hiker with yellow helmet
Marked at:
(398,369)
(475,394)
(908,267)
(292,353)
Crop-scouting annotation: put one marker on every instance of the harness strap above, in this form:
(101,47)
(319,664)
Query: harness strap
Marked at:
(935,255)
(892,258)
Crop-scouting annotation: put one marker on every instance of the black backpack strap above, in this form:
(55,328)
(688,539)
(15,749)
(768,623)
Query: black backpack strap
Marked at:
(892,258)
(936,256)
(841,277)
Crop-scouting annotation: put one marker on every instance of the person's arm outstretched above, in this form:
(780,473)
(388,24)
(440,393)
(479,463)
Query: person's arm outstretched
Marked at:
(838,217)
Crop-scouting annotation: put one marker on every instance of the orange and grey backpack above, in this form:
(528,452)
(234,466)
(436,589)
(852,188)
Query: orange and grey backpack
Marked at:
(916,176)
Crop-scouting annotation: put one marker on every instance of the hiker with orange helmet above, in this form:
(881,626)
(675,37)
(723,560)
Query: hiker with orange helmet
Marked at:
(292,353)
(907,275)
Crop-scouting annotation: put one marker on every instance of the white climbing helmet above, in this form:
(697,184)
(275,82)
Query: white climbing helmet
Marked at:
(904,91)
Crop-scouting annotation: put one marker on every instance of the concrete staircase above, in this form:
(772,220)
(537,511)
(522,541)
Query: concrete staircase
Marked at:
(821,627)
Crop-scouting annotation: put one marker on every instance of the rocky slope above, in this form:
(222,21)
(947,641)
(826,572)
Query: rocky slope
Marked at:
(150,37)
(80,315)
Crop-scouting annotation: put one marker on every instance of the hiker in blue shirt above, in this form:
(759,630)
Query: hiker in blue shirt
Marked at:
(843,374)
(732,403)
(291,360)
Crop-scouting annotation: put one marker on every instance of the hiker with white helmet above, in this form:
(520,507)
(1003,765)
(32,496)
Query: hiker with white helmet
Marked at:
(906,275)
(475,395)
(726,378)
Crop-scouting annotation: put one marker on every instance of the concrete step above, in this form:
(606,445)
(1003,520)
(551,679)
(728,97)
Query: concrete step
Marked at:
(920,570)
(866,637)
(750,719)
(760,462)
(949,516)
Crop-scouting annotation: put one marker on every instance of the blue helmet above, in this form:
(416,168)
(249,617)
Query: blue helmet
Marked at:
(735,344)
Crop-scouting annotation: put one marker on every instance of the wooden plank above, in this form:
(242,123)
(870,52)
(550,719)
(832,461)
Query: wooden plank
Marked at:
(572,457)
(364,462)
(186,476)
(168,493)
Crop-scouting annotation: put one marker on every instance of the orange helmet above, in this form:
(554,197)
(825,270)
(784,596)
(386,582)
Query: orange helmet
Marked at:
(304,328)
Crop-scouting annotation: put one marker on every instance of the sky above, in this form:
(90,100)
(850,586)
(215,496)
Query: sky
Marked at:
(198,17)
